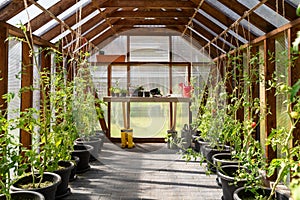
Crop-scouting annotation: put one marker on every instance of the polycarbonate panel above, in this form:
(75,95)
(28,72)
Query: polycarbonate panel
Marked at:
(31,12)
(213,33)
(223,26)
(3,3)
(67,13)
(293,2)
(231,14)
(266,13)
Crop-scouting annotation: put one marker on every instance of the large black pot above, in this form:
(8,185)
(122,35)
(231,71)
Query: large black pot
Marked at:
(83,152)
(221,159)
(48,192)
(73,176)
(22,195)
(199,145)
(65,171)
(209,151)
(95,142)
(242,193)
(227,174)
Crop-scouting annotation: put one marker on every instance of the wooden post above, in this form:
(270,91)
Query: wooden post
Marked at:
(254,88)
(26,96)
(3,66)
(270,99)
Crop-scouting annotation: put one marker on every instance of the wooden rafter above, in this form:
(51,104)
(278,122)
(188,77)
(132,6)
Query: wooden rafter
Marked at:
(56,10)
(153,4)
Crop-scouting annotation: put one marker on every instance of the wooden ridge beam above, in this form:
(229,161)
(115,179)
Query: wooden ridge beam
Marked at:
(131,22)
(146,4)
(151,14)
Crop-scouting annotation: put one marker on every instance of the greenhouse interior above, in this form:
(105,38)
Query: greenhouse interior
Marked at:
(138,99)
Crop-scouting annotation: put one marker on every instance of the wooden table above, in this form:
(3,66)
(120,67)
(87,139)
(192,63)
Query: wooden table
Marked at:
(127,100)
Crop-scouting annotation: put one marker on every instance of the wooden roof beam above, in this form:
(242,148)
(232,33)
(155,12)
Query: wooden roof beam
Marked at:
(153,4)
(151,14)
(12,9)
(131,22)
(56,10)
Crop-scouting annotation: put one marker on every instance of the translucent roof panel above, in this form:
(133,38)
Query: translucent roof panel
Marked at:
(294,2)
(30,13)
(265,12)
(213,33)
(235,17)
(206,39)
(4,3)
(222,26)
(67,13)
(77,25)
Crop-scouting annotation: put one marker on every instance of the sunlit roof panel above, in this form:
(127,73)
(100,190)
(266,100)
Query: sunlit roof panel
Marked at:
(228,12)
(30,13)
(3,3)
(223,26)
(67,13)
(266,13)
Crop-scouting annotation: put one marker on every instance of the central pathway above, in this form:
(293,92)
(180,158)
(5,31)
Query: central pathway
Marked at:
(149,171)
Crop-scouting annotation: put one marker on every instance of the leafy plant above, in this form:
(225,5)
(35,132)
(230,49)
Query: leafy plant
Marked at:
(11,162)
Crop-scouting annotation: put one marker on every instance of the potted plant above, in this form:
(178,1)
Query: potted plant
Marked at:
(115,90)
(11,161)
(123,92)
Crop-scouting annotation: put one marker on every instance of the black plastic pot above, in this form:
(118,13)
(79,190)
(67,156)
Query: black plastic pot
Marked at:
(21,195)
(48,192)
(95,142)
(83,152)
(221,159)
(63,188)
(209,151)
(242,193)
(227,174)
(73,176)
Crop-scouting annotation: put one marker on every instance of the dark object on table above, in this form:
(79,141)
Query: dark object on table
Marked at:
(155,91)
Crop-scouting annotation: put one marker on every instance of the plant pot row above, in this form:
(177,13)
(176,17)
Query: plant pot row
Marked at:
(227,169)
(59,179)
(220,161)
